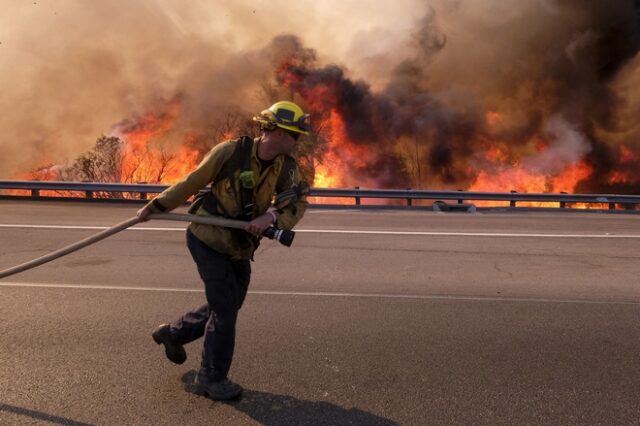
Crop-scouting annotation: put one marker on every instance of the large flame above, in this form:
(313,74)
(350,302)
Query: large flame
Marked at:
(548,135)
(145,158)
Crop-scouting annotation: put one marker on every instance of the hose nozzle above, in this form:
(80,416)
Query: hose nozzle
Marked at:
(283,236)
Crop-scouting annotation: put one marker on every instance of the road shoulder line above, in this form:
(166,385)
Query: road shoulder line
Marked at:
(330,294)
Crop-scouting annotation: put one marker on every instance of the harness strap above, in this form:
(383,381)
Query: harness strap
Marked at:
(287,191)
(239,160)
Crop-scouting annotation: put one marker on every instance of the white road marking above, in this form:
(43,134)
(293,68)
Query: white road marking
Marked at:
(349,231)
(332,294)
(467,234)
(83,227)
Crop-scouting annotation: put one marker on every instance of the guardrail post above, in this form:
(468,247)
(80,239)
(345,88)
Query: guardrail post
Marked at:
(88,194)
(35,193)
(512,203)
(143,195)
(562,203)
(357,198)
(460,201)
(409,200)
(612,206)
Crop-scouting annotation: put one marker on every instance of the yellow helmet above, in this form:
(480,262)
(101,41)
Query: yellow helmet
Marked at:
(286,115)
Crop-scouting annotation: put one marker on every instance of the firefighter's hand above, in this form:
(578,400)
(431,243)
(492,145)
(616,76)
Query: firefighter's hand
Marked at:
(143,213)
(259,224)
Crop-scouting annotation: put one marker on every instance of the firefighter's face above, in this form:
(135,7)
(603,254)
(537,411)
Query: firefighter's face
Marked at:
(287,140)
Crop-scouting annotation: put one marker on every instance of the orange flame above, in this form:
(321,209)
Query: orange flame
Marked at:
(628,160)
(569,178)
(145,159)
(521,180)
(493,118)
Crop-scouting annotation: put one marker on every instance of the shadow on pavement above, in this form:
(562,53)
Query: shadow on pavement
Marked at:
(40,415)
(272,409)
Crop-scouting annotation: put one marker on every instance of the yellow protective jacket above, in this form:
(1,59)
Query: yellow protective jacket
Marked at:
(225,240)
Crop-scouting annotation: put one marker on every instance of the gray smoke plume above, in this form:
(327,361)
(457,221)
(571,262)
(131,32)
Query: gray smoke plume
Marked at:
(415,94)
(550,69)
(72,70)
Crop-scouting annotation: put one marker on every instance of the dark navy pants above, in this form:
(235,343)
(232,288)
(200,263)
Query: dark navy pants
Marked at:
(225,283)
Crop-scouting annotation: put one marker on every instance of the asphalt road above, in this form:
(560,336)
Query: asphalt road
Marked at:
(371,318)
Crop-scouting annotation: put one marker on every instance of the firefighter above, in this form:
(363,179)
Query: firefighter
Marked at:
(244,175)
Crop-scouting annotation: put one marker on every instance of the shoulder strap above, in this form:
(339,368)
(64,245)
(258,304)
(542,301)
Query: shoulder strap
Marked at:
(285,185)
(241,158)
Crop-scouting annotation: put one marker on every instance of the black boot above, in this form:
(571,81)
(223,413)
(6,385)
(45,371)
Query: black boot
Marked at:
(219,390)
(174,351)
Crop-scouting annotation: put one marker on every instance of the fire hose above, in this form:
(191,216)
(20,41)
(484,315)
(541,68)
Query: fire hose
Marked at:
(283,236)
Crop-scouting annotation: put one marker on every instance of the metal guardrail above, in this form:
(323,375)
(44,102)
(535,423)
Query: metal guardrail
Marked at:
(90,189)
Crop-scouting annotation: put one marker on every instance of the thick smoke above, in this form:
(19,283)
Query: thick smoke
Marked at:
(79,69)
(73,70)
(549,70)
(544,65)
(546,83)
